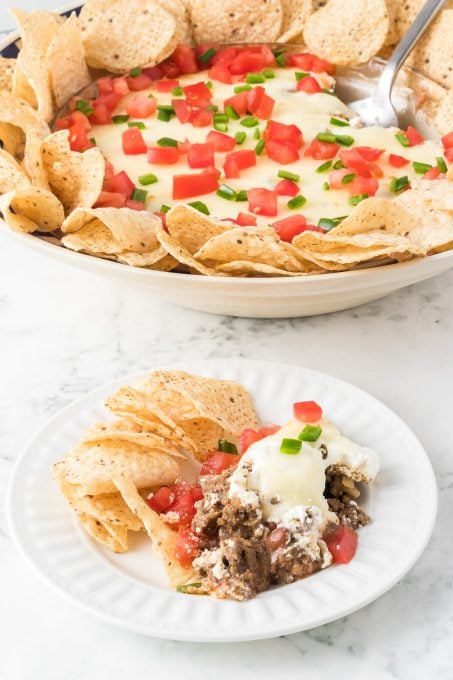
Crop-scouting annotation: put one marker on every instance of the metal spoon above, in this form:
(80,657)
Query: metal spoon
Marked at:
(378,109)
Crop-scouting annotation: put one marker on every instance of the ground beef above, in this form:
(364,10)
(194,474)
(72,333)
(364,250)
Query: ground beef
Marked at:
(341,493)
(293,564)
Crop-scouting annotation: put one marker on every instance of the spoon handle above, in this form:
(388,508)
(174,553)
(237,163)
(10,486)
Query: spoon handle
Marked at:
(421,22)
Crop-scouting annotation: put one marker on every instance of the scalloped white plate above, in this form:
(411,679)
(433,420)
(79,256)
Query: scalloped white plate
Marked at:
(129,590)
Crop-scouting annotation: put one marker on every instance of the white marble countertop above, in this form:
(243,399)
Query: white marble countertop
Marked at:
(64,332)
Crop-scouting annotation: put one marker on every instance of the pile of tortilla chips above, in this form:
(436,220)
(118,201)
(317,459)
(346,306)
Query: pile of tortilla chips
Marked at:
(162,420)
(45,187)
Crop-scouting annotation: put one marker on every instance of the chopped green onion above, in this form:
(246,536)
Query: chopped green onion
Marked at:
(440,162)
(326,137)
(149,178)
(240,137)
(256,133)
(227,192)
(241,195)
(242,88)
(328,223)
(358,198)
(92,140)
(284,174)
(326,91)
(209,84)
(269,73)
(221,118)
(167,141)
(227,447)
(296,202)
(398,183)
(326,186)
(421,168)
(207,56)
(290,446)
(166,107)
(138,124)
(231,112)
(310,433)
(338,164)
(221,127)
(139,195)
(120,119)
(301,74)
(344,140)
(259,147)
(164,115)
(213,107)
(255,78)
(280,59)
(164,208)
(184,588)
(249,121)
(151,96)
(134,72)
(403,140)
(338,122)
(177,92)
(200,206)
(347,179)
(83,106)
(324,166)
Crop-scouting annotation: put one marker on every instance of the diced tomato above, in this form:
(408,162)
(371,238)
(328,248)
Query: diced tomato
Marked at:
(336,176)
(186,186)
(184,57)
(307,411)
(245,220)
(289,227)
(63,123)
(249,436)
(109,171)
(153,72)
(105,84)
(122,183)
(181,109)
(259,103)
(140,82)
(197,94)
(303,61)
(369,153)
(286,187)
(282,153)
(352,159)
(231,169)
(224,56)
(135,205)
(432,173)
(133,142)
(164,155)
(262,202)
(200,156)
(448,153)
(414,136)
(161,499)
(101,115)
(78,140)
(120,85)
(397,161)
(220,73)
(309,85)
(220,142)
(322,150)
(238,102)
(245,158)
(447,140)
(342,544)
(141,106)
(200,117)
(110,199)
(217,462)
(79,117)
(376,170)
(110,100)
(166,85)
(282,133)
(319,65)
(183,147)
(169,69)
(363,185)
(186,546)
(248,61)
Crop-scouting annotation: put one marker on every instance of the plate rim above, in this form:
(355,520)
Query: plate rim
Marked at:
(151,629)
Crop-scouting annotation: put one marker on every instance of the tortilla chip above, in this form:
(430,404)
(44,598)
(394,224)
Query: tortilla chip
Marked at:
(17,118)
(180,253)
(91,466)
(431,204)
(251,244)
(6,73)
(112,537)
(346,32)
(162,537)
(65,61)
(31,209)
(123,34)
(244,268)
(33,162)
(150,261)
(443,115)
(433,54)
(343,252)
(180,13)
(31,80)
(75,178)
(294,15)
(11,174)
(191,228)
(393,34)
(204,433)
(236,21)
(376,214)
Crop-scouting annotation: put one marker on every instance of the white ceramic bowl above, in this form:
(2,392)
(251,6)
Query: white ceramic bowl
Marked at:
(255,297)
